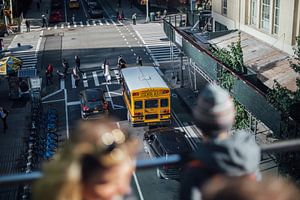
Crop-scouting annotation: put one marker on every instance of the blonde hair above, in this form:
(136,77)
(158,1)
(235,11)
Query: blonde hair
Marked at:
(95,145)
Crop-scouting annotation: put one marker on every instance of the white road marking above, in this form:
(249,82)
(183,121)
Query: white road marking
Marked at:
(50,95)
(52,101)
(87,23)
(94,23)
(73,103)
(100,22)
(73,82)
(138,186)
(62,26)
(49,28)
(95,78)
(113,21)
(81,24)
(38,45)
(116,93)
(66,111)
(55,27)
(117,107)
(112,103)
(62,84)
(85,82)
(69,26)
(107,23)
(75,24)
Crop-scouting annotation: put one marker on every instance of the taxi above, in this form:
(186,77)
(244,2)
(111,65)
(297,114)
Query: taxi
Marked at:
(74,4)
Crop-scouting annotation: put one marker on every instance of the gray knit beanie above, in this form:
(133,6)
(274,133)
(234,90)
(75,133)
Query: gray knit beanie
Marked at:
(214,112)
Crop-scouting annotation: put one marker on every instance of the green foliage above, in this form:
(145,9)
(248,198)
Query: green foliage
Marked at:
(281,97)
(241,119)
(233,59)
(226,80)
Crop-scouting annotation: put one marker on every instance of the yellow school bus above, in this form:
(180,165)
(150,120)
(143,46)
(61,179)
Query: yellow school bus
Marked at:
(146,95)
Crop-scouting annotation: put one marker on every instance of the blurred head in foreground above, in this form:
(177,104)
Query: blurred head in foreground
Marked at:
(95,164)
(243,189)
(214,113)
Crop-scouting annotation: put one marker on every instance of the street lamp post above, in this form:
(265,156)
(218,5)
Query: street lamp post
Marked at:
(147,11)
(181,69)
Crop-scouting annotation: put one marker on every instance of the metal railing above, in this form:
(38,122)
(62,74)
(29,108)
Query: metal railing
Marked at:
(278,147)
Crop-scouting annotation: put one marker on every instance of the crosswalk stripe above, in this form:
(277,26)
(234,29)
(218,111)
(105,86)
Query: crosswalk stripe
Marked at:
(100,22)
(69,26)
(85,82)
(75,24)
(94,23)
(55,27)
(81,24)
(48,28)
(113,21)
(62,26)
(107,23)
(87,23)
(95,78)
(73,81)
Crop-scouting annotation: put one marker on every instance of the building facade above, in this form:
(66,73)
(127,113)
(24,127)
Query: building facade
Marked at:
(276,22)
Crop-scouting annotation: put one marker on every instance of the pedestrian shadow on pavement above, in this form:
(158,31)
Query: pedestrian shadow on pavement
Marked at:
(21,102)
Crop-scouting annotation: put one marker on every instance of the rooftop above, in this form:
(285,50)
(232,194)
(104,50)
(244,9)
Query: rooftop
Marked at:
(267,61)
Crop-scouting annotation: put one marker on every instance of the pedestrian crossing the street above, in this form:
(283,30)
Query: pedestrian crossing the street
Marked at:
(93,79)
(29,58)
(88,23)
(157,43)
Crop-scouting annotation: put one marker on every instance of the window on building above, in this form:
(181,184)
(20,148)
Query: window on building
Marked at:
(253,12)
(265,15)
(276,16)
(224,7)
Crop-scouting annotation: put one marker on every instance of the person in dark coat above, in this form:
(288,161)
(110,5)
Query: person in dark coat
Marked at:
(77,63)
(27,22)
(3,115)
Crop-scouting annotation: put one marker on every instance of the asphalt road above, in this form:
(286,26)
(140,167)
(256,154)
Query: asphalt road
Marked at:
(93,45)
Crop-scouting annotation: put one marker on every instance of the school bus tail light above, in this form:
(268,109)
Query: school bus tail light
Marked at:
(165,91)
(135,94)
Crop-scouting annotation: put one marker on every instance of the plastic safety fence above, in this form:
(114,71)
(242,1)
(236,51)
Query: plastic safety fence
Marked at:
(207,64)
(257,105)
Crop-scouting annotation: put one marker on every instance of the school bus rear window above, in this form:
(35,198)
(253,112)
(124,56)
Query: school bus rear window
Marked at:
(138,104)
(153,103)
(164,103)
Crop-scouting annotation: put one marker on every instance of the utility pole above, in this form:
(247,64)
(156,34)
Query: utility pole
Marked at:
(147,11)
(181,69)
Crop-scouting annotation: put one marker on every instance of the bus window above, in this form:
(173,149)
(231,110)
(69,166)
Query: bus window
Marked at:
(164,103)
(151,103)
(138,104)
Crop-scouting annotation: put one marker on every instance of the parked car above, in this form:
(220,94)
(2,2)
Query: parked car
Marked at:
(93,103)
(92,3)
(56,16)
(96,12)
(74,4)
(162,142)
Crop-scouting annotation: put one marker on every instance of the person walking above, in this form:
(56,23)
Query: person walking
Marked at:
(3,115)
(139,60)
(77,63)
(122,15)
(65,66)
(27,23)
(44,21)
(165,13)
(49,74)
(133,19)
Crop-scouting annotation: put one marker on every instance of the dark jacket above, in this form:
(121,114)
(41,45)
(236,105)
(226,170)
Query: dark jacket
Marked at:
(236,156)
